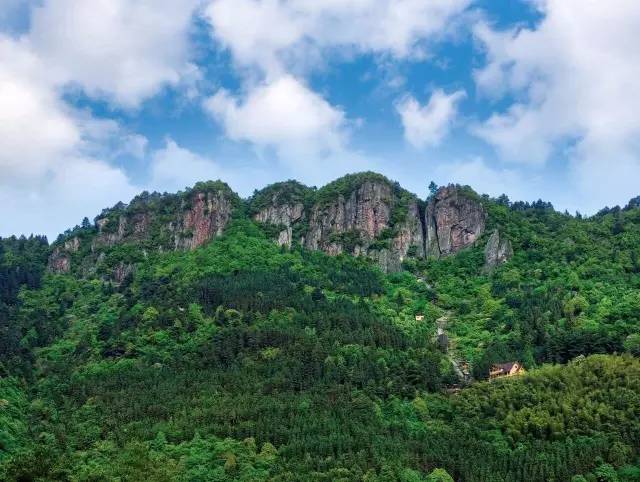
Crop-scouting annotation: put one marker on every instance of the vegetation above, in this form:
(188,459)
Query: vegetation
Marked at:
(280,193)
(22,263)
(241,360)
(346,185)
(570,289)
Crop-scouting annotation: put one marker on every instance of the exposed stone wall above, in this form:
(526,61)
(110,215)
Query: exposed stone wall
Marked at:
(497,251)
(284,215)
(205,218)
(375,219)
(454,221)
(201,217)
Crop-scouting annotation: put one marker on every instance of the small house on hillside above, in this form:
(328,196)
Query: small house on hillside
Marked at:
(419,317)
(506,370)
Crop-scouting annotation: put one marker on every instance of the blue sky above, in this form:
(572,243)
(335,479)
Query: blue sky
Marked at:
(101,100)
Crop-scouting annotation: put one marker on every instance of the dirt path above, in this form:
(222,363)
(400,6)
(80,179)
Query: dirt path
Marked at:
(441,329)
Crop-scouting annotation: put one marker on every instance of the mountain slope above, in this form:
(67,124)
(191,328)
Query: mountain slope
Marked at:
(236,356)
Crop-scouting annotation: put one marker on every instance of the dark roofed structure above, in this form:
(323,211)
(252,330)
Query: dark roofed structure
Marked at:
(506,369)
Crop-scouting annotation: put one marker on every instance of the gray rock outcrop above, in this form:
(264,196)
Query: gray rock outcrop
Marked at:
(178,221)
(284,216)
(454,220)
(497,251)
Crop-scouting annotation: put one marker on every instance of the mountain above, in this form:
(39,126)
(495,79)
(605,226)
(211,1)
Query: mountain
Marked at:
(333,334)
(362,214)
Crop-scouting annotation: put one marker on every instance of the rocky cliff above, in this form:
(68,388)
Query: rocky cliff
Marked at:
(497,251)
(350,221)
(152,222)
(282,206)
(455,218)
(362,214)
(176,222)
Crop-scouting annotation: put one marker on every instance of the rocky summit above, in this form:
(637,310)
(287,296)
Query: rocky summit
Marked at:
(362,214)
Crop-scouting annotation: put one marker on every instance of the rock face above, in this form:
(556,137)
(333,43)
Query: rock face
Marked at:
(454,221)
(282,207)
(205,217)
(60,258)
(497,251)
(197,218)
(407,240)
(284,216)
(59,261)
(122,271)
(374,219)
(130,227)
(72,245)
(362,214)
(154,221)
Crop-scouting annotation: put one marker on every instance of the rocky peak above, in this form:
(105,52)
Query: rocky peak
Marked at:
(364,212)
(282,205)
(153,221)
(455,218)
(204,216)
(360,214)
(497,251)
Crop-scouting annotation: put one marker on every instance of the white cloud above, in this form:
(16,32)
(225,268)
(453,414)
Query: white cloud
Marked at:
(79,187)
(55,160)
(276,34)
(428,125)
(173,168)
(123,50)
(277,43)
(35,128)
(575,78)
(285,115)
(49,176)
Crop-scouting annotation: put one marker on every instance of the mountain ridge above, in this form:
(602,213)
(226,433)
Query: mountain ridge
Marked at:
(361,214)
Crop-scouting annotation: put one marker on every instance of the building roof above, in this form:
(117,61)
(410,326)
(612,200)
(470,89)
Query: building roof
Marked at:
(505,367)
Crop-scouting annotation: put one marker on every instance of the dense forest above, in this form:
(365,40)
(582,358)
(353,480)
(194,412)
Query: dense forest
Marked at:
(244,360)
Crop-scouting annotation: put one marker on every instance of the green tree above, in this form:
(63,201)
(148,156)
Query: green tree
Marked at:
(433,189)
(632,344)
(439,475)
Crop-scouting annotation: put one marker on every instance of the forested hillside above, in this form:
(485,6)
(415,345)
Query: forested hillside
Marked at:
(292,336)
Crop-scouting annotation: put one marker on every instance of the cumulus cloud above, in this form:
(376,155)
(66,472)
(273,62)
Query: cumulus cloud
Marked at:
(48,173)
(276,34)
(284,114)
(173,168)
(123,50)
(575,80)
(429,124)
(276,43)
(82,188)
(56,160)
(35,128)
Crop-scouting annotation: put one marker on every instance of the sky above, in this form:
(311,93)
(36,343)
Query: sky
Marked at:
(101,100)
